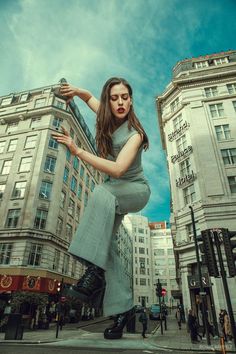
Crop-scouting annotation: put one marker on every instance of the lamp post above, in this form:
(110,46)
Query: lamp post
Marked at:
(202,293)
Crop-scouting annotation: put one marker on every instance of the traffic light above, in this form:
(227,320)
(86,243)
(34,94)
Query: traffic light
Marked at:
(163,292)
(158,290)
(229,246)
(208,249)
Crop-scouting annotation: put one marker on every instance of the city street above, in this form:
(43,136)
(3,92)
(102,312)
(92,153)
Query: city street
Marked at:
(86,337)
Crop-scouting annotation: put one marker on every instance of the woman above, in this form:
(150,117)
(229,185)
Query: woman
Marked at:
(120,141)
(192,325)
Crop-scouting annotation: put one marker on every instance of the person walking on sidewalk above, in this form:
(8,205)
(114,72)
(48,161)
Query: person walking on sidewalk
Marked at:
(192,325)
(178,317)
(144,320)
(120,140)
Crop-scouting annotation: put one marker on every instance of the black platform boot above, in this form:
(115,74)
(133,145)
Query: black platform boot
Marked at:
(90,288)
(116,331)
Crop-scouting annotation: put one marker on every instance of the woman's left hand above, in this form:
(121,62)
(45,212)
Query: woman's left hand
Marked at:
(66,139)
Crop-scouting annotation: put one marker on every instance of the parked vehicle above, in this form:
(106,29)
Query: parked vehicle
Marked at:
(154,313)
(138,308)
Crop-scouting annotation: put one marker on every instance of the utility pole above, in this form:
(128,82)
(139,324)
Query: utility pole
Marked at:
(202,293)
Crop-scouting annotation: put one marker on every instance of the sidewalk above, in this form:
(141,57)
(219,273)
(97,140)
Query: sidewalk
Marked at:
(77,335)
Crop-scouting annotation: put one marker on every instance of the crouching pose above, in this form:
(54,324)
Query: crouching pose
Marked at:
(120,141)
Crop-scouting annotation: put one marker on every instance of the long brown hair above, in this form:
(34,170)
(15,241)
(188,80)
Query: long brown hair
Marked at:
(105,123)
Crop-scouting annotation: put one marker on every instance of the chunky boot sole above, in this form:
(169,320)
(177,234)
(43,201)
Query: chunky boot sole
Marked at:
(94,300)
(116,332)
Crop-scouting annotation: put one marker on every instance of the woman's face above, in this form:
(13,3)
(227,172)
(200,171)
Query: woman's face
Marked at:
(120,101)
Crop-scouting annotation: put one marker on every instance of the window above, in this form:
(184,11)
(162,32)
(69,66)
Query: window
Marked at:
(222,132)
(2,145)
(189,229)
(216,110)
(87,180)
(178,122)
(57,122)
(185,168)
(2,189)
(19,190)
(6,101)
(62,199)
(66,175)
(201,64)
(232,183)
(40,219)
(40,102)
(35,254)
(142,281)
(59,104)
(141,239)
(45,190)
(68,154)
(59,226)
(231,88)
(234,104)
(92,185)
(30,142)
(73,267)
(35,122)
(50,164)
(65,266)
(81,172)
(181,143)
(220,61)
(73,184)
(229,156)
(141,250)
(85,198)
(77,214)
(5,252)
(76,163)
(189,194)
(159,252)
(56,260)
(52,143)
(175,105)
(24,97)
(171,261)
(140,231)
(12,127)
(211,91)
(72,133)
(71,207)
(12,145)
(68,232)
(79,193)
(25,164)
(6,167)
(12,218)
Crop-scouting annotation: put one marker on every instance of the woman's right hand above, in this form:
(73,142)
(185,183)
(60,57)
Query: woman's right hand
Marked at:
(68,91)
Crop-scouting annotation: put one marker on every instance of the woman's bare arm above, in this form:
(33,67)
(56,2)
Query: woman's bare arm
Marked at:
(114,169)
(71,91)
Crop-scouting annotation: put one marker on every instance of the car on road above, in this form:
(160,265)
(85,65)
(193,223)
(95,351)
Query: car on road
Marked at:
(154,312)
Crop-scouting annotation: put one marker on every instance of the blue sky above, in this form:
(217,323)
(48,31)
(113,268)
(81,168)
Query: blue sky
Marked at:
(88,41)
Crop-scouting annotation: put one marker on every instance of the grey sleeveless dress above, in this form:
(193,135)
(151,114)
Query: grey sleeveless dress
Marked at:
(95,239)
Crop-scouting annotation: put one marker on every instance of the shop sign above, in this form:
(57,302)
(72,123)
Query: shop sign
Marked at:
(182,154)
(176,133)
(193,281)
(182,181)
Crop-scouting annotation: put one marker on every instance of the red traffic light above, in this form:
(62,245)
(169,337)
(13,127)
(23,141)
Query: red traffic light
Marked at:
(163,292)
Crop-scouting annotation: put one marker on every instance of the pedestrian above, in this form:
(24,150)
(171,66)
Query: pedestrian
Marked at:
(192,325)
(144,320)
(178,317)
(120,140)
(221,322)
(227,327)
